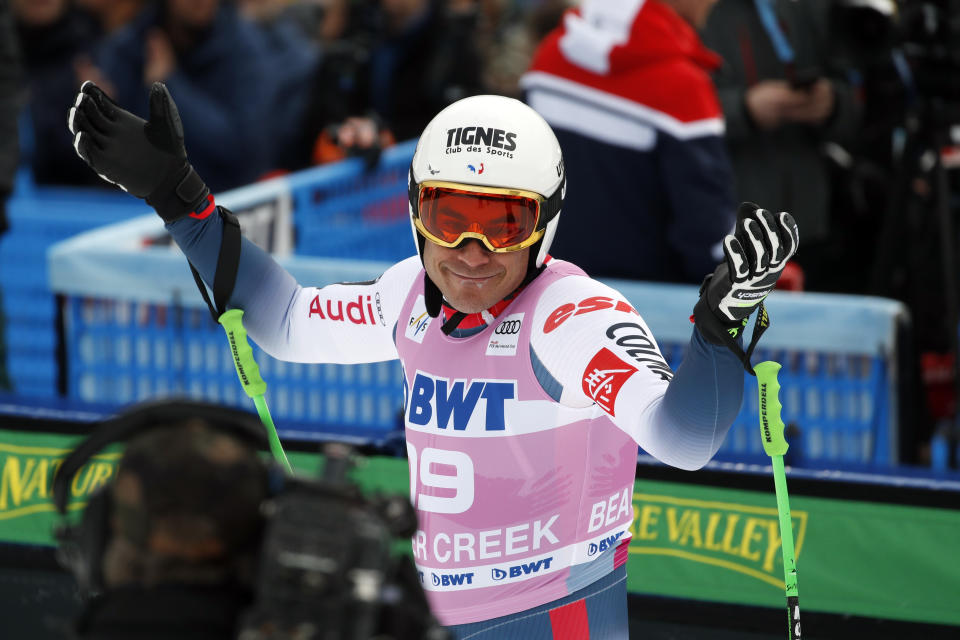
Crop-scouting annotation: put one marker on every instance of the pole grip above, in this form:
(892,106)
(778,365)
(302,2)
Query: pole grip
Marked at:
(771,423)
(247,369)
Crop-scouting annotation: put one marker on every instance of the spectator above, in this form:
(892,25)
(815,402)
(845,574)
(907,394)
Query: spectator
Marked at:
(197,538)
(782,98)
(9,108)
(626,86)
(399,62)
(111,15)
(215,63)
(183,529)
(56,41)
(510,35)
(292,59)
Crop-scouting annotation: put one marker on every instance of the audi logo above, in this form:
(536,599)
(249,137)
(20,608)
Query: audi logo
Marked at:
(508,328)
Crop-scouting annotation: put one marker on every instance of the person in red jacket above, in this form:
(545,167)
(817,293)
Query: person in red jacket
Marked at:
(626,86)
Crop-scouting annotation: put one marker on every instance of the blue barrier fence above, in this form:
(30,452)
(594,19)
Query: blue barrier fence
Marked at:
(127,341)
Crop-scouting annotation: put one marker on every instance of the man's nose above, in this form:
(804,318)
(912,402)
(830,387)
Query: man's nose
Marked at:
(473,253)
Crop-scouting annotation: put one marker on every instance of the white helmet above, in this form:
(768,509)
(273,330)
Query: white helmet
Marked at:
(492,141)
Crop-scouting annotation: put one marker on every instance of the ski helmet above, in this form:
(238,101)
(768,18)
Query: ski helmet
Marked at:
(490,143)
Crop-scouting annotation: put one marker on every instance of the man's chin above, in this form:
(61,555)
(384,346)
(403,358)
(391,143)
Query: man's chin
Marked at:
(468,307)
(470,303)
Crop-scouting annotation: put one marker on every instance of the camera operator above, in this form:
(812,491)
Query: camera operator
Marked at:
(198,538)
(181,524)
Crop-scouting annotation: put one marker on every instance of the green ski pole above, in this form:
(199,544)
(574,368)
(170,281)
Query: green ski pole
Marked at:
(771,430)
(249,374)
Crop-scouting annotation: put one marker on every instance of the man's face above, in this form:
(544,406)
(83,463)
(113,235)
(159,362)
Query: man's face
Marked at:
(472,278)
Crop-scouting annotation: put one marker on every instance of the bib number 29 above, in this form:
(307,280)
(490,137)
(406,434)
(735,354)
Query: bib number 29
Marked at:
(450,472)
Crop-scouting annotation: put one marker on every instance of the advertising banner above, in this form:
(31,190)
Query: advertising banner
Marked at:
(874,559)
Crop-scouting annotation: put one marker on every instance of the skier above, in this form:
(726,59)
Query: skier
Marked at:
(528,385)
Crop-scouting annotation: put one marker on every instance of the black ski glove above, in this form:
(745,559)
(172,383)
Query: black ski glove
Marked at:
(756,253)
(146,159)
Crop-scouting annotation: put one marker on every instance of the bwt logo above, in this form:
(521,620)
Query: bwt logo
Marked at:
(452,579)
(431,397)
(599,547)
(522,569)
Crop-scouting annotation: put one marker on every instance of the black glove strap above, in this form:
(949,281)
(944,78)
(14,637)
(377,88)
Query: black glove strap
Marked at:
(762,324)
(183,193)
(228,263)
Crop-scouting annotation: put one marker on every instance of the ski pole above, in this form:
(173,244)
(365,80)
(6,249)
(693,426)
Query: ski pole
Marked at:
(249,374)
(771,430)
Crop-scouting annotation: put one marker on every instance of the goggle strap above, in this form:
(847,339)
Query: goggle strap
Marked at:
(413,192)
(551,207)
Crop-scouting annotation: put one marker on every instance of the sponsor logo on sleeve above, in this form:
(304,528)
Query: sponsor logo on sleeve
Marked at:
(640,347)
(594,303)
(506,336)
(380,309)
(359,311)
(418,322)
(603,378)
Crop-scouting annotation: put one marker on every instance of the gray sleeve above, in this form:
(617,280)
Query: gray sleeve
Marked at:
(9,98)
(699,406)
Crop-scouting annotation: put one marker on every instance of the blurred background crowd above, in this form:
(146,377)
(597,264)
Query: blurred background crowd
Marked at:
(840,112)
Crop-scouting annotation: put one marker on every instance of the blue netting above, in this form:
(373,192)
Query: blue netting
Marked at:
(835,404)
(121,352)
(351,213)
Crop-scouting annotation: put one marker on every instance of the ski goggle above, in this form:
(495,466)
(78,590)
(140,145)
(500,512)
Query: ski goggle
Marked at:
(502,219)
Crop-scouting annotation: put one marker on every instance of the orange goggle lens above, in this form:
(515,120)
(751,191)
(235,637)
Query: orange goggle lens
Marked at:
(503,222)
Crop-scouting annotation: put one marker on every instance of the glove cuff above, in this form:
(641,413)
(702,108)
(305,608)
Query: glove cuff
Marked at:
(713,329)
(183,192)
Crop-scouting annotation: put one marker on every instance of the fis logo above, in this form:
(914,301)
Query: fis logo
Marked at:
(451,579)
(418,322)
(599,547)
(522,569)
(439,400)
